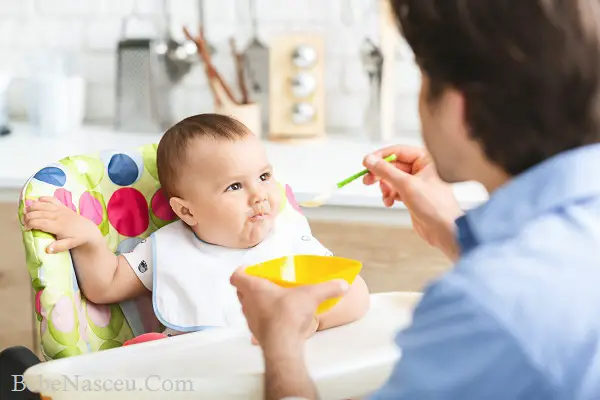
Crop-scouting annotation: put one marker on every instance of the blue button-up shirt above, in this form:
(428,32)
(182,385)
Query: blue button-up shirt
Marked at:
(518,317)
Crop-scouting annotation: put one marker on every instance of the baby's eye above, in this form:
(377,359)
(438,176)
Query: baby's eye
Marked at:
(265,176)
(235,186)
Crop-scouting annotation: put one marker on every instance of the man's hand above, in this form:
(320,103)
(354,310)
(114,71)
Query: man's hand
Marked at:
(413,180)
(280,317)
(313,328)
(48,214)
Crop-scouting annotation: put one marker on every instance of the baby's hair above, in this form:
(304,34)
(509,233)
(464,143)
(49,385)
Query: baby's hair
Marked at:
(173,146)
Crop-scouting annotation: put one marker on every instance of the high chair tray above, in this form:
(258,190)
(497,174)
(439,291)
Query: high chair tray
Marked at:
(348,361)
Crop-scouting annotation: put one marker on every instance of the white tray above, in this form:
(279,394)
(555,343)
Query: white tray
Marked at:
(349,361)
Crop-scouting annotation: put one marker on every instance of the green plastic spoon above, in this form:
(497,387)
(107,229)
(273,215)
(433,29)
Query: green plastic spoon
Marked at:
(322,198)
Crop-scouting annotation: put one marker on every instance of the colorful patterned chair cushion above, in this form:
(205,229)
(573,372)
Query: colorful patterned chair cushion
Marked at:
(120,192)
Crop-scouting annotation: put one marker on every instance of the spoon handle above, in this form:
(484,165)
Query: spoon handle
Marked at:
(346,181)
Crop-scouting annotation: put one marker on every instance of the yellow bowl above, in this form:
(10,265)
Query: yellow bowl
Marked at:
(307,270)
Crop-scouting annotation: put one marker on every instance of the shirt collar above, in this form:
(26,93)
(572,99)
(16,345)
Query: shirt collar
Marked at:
(565,178)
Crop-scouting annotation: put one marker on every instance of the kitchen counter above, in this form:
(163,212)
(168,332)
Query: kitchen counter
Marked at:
(309,168)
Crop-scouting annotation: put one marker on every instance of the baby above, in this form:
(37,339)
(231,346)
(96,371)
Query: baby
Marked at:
(221,186)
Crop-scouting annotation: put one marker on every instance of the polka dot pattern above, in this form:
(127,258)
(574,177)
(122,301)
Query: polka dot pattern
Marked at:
(38,302)
(124,169)
(62,315)
(128,212)
(161,207)
(81,315)
(43,326)
(52,176)
(87,171)
(119,192)
(149,158)
(105,321)
(99,314)
(65,197)
(91,208)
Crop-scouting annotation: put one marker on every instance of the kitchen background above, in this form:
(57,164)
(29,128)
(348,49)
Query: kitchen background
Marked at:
(87,33)
(90,30)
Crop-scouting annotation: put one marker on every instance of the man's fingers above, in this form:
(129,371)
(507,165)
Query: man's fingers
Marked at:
(388,194)
(327,290)
(239,279)
(404,154)
(369,179)
(388,201)
(62,245)
(244,282)
(386,189)
(395,177)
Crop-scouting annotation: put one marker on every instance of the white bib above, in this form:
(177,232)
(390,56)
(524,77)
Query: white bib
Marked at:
(191,289)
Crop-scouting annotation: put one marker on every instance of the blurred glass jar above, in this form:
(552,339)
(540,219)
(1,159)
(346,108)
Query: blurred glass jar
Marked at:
(5,79)
(56,93)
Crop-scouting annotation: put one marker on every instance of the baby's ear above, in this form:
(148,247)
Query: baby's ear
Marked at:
(181,208)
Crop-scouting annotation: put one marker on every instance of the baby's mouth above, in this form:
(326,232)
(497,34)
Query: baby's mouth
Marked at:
(259,217)
(260,213)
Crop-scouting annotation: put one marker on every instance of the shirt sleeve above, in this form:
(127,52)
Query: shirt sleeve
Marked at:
(141,260)
(455,349)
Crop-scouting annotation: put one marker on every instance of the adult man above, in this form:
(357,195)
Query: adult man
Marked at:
(509,98)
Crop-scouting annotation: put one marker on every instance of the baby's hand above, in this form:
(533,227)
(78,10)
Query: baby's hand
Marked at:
(71,229)
(313,328)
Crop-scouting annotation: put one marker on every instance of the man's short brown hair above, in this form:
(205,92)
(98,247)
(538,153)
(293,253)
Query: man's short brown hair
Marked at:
(528,70)
(172,152)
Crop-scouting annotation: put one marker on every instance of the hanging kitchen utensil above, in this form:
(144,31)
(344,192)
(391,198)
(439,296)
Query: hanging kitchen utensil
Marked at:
(257,54)
(179,57)
(388,44)
(256,57)
(238,60)
(212,75)
(202,19)
(143,83)
(372,61)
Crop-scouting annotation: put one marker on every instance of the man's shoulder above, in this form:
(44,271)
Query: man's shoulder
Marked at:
(540,300)
(456,347)
(526,280)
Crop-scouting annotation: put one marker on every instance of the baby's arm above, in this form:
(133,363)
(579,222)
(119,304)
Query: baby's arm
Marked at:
(351,307)
(102,276)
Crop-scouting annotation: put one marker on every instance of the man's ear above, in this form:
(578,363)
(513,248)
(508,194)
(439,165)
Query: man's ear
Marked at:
(183,210)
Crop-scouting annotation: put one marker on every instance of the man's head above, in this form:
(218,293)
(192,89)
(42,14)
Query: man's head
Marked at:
(506,83)
(218,179)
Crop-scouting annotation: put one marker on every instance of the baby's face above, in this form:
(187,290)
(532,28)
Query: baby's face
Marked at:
(231,191)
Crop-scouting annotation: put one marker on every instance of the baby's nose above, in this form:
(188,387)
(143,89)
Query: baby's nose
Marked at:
(259,197)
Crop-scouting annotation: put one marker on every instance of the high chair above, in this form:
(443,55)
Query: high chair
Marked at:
(120,192)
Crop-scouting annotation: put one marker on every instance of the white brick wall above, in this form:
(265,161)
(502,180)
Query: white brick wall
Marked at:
(91,29)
